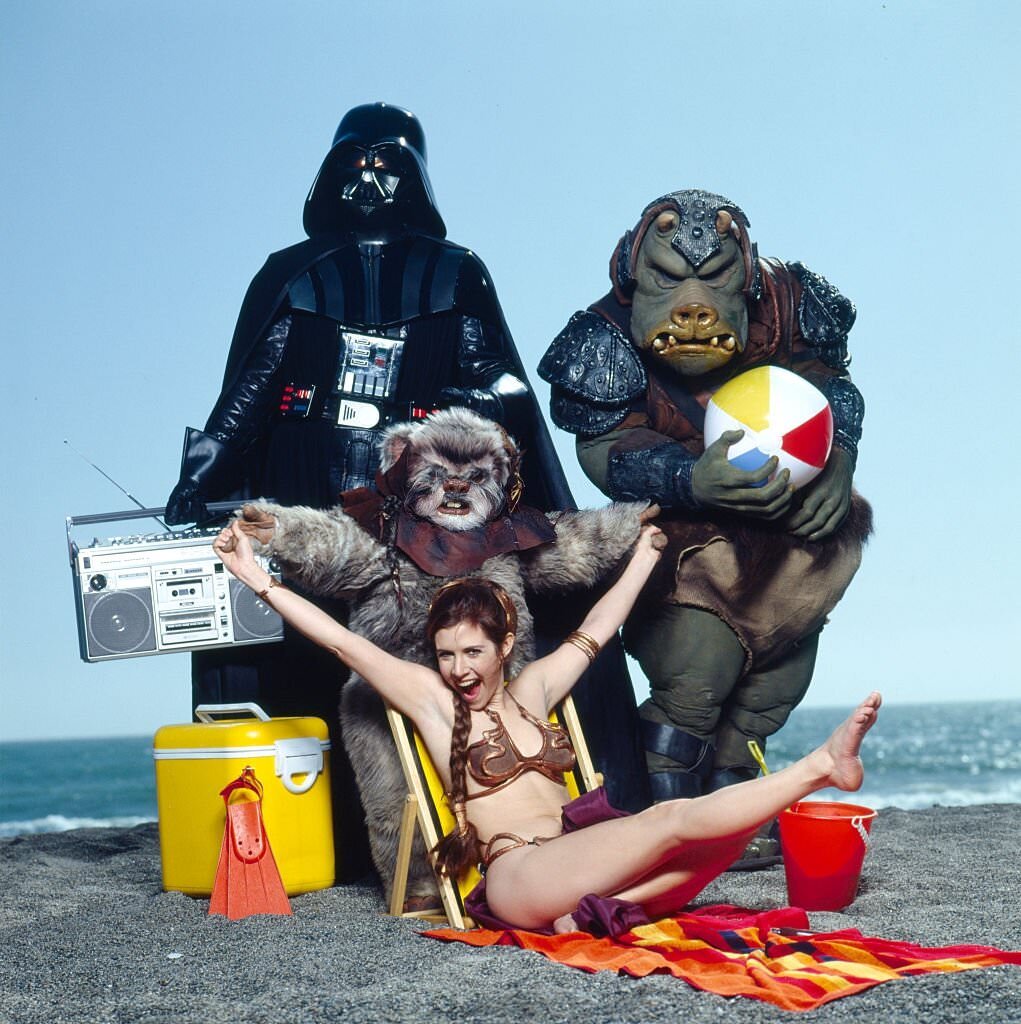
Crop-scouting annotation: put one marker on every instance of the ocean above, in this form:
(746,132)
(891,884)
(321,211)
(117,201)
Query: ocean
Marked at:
(920,755)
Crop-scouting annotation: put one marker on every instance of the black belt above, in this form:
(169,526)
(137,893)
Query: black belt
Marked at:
(356,413)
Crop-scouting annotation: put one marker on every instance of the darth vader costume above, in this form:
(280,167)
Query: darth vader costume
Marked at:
(374,319)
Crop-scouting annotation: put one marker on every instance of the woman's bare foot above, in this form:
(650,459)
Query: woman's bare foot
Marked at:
(837,759)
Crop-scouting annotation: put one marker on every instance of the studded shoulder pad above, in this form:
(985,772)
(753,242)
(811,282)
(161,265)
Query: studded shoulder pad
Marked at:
(825,317)
(595,375)
(592,360)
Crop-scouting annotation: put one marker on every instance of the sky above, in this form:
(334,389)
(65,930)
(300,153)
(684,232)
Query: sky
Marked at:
(157,152)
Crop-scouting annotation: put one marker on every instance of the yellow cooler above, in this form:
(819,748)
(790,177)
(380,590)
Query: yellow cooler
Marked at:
(195,761)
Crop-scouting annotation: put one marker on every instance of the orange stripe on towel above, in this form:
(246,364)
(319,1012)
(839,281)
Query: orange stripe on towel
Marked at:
(770,956)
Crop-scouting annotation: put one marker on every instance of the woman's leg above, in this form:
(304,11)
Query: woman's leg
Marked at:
(665,855)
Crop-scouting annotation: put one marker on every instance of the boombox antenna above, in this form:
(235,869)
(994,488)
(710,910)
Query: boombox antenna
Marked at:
(128,494)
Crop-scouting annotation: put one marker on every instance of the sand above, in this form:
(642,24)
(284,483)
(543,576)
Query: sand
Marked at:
(87,935)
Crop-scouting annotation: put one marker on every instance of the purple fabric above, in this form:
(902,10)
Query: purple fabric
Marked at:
(604,915)
(588,809)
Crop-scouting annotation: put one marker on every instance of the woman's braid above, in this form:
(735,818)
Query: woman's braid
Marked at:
(458,850)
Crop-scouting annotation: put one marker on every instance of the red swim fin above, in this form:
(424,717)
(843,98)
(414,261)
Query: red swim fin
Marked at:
(247,879)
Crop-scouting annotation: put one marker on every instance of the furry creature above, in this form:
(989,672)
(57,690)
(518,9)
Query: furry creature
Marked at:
(444,505)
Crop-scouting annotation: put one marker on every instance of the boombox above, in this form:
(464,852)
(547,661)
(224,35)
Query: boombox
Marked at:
(162,592)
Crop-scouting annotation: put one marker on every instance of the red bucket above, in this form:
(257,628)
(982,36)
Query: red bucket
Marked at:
(824,844)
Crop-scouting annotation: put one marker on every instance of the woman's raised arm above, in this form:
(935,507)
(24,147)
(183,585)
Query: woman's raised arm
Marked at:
(558,671)
(411,688)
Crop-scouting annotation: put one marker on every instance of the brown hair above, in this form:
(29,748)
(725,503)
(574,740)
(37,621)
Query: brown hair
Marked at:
(487,605)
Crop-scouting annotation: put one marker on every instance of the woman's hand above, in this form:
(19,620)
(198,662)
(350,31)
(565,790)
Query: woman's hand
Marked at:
(651,542)
(235,551)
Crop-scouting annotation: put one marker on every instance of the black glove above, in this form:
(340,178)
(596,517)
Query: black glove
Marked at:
(503,400)
(485,403)
(208,469)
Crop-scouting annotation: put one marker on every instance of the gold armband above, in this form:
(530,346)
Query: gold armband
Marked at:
(586,644)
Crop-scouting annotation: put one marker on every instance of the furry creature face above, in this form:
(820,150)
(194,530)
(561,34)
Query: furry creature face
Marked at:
(459,467)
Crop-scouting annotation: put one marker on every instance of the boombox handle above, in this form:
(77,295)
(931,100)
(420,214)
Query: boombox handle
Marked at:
(216,508)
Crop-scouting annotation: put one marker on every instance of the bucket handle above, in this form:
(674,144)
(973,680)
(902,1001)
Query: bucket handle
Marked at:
(213,712)
(858,824)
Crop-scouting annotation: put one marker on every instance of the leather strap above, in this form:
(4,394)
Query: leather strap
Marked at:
(674,785)
(687,750)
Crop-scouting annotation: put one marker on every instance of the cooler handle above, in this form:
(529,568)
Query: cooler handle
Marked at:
(302,755)
(213,712)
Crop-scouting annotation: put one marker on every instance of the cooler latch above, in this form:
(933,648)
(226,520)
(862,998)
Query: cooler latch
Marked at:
(300,756)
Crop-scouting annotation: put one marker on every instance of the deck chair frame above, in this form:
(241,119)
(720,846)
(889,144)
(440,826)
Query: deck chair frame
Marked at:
(425,807)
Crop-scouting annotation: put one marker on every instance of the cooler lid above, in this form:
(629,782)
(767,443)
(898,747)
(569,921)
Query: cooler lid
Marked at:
(234,730)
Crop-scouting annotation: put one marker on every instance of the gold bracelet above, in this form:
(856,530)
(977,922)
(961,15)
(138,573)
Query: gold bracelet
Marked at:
(586,644)
(273,582)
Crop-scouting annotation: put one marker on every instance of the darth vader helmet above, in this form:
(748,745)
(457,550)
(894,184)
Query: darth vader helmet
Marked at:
(374,175)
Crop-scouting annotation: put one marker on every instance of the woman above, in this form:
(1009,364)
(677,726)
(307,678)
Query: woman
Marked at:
(508,803)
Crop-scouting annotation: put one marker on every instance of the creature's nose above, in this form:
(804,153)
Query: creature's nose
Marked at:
(455,485)
(694,319)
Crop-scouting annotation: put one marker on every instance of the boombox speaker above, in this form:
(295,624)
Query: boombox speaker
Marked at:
(162,592)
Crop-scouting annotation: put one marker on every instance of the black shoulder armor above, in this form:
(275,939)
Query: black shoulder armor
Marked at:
(423,277)
(595,374)
(825,317)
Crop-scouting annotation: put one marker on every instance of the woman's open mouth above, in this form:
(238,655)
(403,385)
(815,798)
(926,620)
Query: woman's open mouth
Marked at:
(469,690)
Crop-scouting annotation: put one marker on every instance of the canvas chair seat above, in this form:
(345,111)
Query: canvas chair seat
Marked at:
(425,807)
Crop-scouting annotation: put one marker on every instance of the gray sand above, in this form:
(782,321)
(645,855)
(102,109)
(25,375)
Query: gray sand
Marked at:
(87,936)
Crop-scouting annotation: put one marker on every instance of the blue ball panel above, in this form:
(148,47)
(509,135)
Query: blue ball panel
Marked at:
(750,460)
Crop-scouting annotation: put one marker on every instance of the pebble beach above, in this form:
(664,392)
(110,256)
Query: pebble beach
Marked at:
(89,936)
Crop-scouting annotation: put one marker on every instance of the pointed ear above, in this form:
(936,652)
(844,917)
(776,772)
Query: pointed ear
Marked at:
(394,441)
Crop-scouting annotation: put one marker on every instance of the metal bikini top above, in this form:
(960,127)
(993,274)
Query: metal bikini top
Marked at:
(495,761)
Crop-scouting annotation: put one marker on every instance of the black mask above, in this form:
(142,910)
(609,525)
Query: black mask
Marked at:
(374,176)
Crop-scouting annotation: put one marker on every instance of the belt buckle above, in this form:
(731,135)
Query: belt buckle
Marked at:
(359,415)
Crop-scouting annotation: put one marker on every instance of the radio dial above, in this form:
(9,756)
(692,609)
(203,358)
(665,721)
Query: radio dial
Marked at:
(97,582)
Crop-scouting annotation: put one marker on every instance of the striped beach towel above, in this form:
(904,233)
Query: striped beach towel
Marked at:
(770,955)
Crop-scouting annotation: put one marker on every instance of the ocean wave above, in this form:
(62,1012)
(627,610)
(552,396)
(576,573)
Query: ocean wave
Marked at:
(61,823)
(921,797)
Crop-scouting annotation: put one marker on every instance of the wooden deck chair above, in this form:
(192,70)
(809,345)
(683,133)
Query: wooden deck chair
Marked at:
(426,805)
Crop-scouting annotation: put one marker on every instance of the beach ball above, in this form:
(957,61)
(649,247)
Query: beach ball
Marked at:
(781,414)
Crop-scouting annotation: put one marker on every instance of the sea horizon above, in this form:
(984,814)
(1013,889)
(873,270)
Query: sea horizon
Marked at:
(842,706)
(920,757)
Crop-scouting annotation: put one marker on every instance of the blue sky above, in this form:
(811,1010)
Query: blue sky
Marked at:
(156,152)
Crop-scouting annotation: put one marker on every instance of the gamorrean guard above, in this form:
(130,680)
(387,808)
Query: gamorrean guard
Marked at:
(754,567)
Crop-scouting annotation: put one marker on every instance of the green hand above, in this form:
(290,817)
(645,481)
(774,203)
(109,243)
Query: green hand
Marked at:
(717,483)
(825,501)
